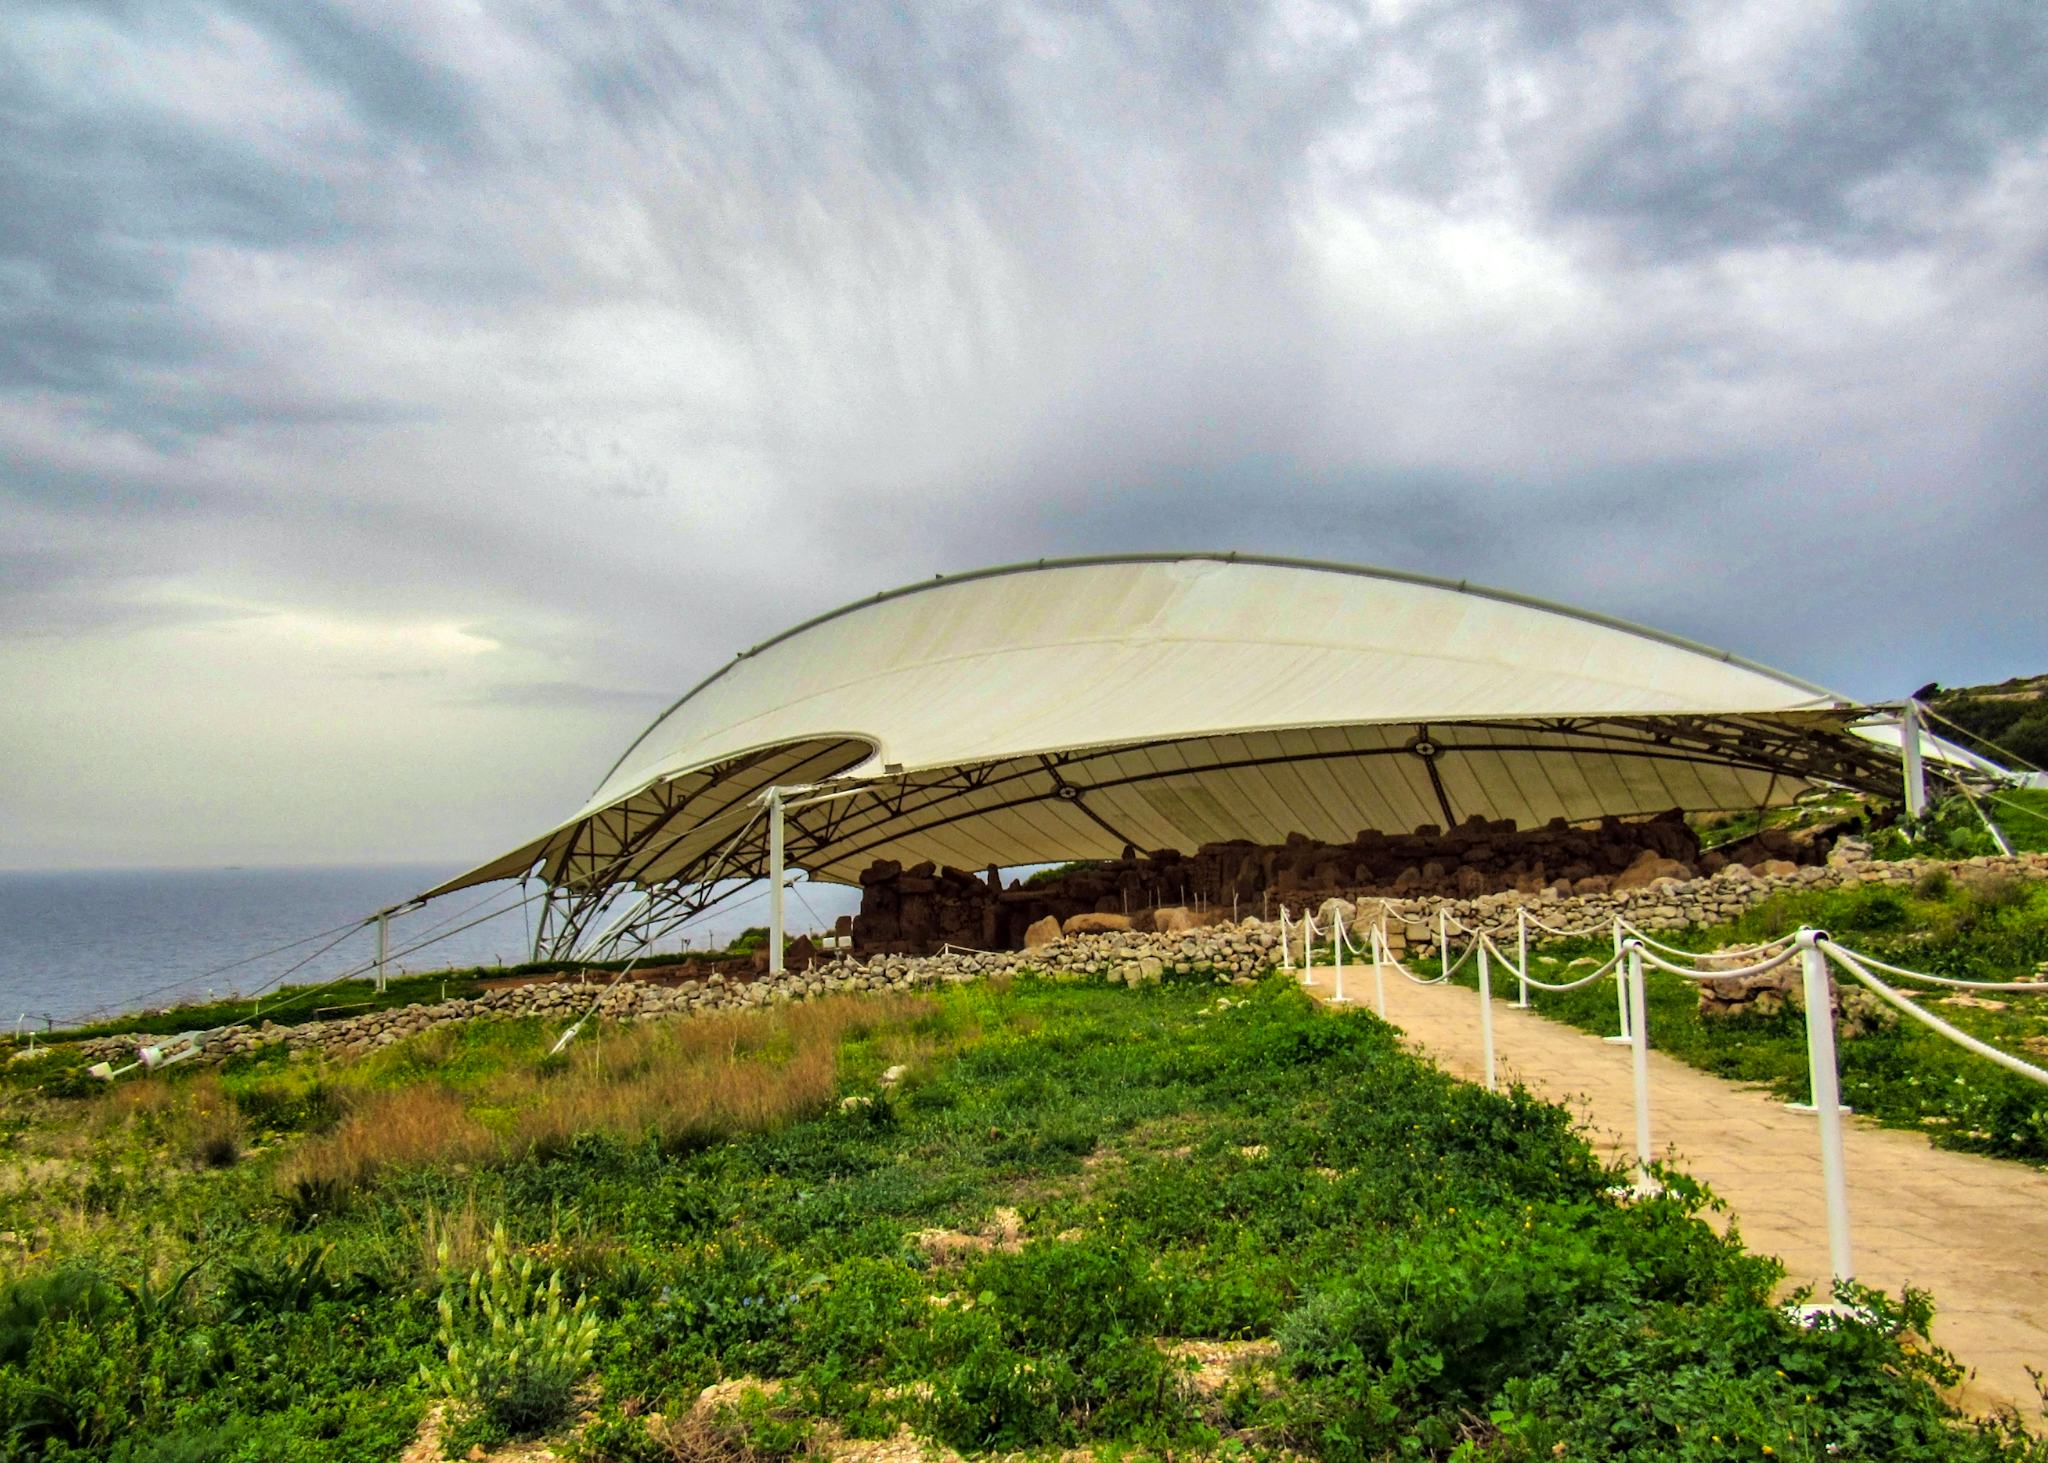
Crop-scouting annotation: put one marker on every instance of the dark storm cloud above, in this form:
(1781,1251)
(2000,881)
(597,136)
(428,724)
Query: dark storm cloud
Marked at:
(392,88)
(516,359)
(1904,98)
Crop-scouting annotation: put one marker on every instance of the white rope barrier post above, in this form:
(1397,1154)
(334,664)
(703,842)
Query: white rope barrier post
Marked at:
(1621,1037)
(383,945)
(1337,950)
(1486,1015)
(1639,1064)
(1827,1097)
(1522,957)
(1286,936)
(1443,941)
(1308,946)
(1380,957)
(775,881)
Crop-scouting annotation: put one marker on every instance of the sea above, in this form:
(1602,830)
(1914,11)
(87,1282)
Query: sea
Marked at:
(80,946)
(88,946)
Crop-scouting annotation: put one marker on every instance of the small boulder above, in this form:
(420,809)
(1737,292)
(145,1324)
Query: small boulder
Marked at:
(1042,932)
(1174,920)
(1096,924)
(1648,868)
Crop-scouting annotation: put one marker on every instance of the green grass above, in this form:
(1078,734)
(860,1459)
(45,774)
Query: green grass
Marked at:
(1903,1076)
(2022,815)
(1443,1270)
(1954,828)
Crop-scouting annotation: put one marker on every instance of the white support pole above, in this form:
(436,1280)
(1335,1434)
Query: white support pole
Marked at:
(775,881)
(1621,1037)
(1380,957)
(1827,1097)
(1337,949)
(383,945)
(1522,955)
(1308,946)
(1286,937)
(1443,941)
(1997,838)
(1486,1015)
(1639,1063)
(1909,746)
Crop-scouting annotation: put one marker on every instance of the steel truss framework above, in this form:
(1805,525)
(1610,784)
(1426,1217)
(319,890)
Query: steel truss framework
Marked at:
(633,873)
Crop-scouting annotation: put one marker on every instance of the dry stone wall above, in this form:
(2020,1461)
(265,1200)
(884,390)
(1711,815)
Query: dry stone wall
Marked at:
(1223,950)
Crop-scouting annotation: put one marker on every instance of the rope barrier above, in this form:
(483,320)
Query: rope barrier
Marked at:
(1898,1000)
(1781,958)
(1464,929)
(1458,964)
(1541,985)
(2018,987)
(1386,957)
(1726,950)
(1812,948)
(1599,929)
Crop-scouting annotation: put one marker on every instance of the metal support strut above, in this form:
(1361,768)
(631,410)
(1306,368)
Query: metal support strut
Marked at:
(1909,747)
(775,881)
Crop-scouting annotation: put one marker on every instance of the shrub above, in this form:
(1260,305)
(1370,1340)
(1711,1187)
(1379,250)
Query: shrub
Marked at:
(257,1289)
(757,1428)
(1934,884)
(217,1133)
(34,1300)
(514,1353)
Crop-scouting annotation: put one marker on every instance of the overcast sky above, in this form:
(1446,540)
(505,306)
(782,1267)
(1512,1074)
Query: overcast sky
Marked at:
(400,403)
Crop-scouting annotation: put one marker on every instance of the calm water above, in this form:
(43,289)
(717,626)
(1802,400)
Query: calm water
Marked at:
(74,944)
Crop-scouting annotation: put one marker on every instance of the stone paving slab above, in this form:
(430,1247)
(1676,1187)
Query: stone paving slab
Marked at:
(1971,1230)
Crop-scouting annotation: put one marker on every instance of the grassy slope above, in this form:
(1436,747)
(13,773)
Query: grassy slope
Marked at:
(1443,1268)
(1905,1076)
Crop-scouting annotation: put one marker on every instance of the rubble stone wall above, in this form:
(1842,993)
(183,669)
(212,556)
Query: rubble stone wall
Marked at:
(1225,950)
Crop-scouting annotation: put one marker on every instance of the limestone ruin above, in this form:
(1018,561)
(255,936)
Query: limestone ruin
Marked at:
(922,909)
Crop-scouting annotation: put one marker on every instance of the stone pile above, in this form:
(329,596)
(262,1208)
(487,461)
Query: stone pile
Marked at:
(1094,948)
(1770,993)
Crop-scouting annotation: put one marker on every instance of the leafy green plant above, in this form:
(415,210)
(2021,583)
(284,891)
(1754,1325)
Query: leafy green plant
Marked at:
(152,1306)
(33,1301)
(513,1352)
(281,1286)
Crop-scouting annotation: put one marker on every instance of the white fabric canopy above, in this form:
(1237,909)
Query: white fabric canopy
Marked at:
(1065,709)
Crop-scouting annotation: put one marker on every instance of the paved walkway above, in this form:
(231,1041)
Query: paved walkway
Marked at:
(1972,1231)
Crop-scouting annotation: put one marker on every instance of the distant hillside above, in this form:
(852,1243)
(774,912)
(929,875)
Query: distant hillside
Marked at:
(2012,714)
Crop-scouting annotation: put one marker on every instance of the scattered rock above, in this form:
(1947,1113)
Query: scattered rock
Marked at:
(1975,1003)
(1096,924)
